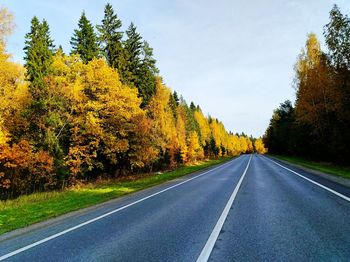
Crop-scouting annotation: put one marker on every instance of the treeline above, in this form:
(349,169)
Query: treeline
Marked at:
(101,111)
(318,125)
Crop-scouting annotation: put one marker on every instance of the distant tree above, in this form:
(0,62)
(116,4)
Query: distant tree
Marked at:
(173,105)
(60,50)
(84,40)
(176,98)
(259,146)
(192,106)
(278,136)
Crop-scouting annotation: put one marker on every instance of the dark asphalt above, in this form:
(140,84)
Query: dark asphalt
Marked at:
(276,216)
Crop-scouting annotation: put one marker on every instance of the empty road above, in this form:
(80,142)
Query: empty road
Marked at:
(252,208)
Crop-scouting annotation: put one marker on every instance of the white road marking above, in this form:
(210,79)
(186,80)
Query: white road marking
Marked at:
(310,180)
(13,253)
(206,251)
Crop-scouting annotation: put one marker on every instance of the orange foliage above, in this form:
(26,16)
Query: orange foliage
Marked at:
(22,169)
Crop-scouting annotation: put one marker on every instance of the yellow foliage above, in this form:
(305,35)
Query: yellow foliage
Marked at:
(259,146)
(162,117)
(13,92)
(106,114)
(194,149)
(181,133)
(204,127)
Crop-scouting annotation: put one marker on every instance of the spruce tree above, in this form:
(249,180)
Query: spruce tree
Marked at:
(110,38)
(84,40)
(60,50)
(39,50)
(176,98)
(146,76)
(133,48)
(192,106)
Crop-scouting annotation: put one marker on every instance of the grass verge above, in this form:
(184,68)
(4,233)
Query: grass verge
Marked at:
(27,210)
(328,168)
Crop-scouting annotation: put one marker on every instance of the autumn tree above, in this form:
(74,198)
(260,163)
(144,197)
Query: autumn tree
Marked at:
(13,89)
(194,149)
(204,129)
(318,98)
(259,146)
(65,118)
(164,124)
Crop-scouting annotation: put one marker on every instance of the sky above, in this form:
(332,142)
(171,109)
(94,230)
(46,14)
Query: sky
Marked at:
(234,58)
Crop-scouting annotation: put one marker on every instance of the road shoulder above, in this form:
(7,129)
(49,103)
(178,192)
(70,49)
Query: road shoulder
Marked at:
(340,180)
(115,201)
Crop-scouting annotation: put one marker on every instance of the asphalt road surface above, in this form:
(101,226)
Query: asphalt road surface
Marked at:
(252,208)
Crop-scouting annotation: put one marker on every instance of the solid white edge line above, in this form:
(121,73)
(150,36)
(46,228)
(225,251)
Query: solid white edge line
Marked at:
(208,248)
(17,251)
(310,180)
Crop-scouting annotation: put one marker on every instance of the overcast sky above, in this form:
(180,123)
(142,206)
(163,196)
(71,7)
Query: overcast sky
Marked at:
(232,57)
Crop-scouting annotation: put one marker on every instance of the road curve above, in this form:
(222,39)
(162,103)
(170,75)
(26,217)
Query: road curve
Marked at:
(275,215)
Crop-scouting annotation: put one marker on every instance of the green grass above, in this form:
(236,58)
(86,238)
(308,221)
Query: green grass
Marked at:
(328,168)
(34,208)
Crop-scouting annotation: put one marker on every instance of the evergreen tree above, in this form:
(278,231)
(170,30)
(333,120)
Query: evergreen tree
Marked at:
(192,106)
(39,50)
(173,105)
(60,50)
(176,98)
(110,38)
(133,48)
(146,77)
(84,40)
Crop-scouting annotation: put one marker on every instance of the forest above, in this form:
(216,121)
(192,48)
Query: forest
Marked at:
(102,110)
(317,126)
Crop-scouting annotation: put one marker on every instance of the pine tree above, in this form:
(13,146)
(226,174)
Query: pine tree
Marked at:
(110,38)
(84,40)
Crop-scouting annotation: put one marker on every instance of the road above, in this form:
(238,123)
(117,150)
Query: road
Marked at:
(252,208)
